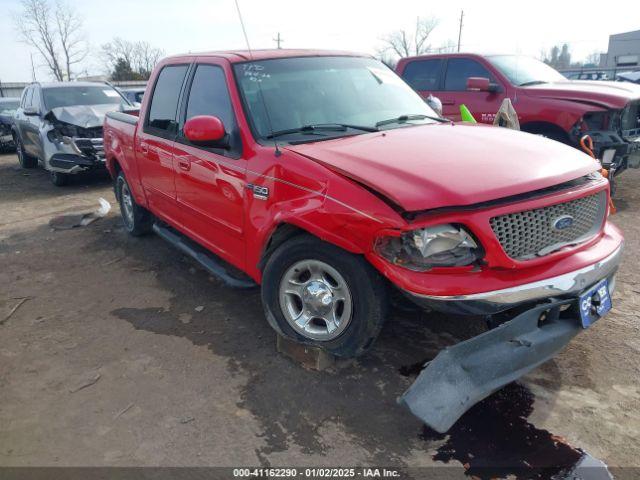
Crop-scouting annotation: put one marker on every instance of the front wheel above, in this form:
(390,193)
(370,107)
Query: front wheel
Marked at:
(137,220)
(318,294)
(59,179)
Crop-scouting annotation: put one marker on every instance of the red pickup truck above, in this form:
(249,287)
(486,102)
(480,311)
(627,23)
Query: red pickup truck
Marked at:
(546,102)
(324,178)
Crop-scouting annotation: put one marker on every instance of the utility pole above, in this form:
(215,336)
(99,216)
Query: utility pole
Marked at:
(460,29)
(278,40)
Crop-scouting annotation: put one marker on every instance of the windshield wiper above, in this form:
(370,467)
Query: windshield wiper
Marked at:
(405,118)
(532,82)
(329,127)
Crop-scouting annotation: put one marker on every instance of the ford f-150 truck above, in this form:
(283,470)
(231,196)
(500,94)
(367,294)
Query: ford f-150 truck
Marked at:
(324,178)
(546,102)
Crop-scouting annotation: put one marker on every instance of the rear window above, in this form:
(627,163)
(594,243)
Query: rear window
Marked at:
(164,103)
(71,96)
(423,74)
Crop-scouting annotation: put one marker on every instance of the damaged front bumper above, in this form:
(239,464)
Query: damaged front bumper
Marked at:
(488,303)
(462,375)
(75,155)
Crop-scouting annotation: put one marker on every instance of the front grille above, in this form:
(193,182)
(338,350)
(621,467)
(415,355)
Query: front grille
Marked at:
(533,233)
(91,147)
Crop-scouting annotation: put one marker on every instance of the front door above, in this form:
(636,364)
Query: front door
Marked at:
(483,105)
(211,181)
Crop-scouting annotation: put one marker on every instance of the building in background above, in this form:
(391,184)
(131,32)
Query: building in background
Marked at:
(623,52)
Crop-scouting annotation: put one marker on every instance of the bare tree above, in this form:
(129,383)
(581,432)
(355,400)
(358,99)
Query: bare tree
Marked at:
(138,57)
(36,28)
(72,42)
(405,44)
(145,58)
(593,59)
(55,31)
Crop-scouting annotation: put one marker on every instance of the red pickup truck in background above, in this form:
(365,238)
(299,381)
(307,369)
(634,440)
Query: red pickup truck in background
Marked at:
(324,178)
(546,102)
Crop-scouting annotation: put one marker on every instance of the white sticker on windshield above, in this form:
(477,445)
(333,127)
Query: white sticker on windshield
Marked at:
(111,93)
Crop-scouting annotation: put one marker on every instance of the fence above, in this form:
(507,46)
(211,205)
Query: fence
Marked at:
(14,89)
(611,72)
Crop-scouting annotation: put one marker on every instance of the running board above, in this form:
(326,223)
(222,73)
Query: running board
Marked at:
(208,260)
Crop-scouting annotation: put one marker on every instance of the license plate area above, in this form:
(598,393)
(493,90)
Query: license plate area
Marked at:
(594,303)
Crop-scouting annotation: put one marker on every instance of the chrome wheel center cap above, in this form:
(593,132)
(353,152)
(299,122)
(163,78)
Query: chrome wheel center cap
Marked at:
(317,298)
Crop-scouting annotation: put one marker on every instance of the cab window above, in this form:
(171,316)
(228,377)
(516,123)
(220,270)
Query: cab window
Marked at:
(459,70)
(423,74)
(162,116)
(209,95)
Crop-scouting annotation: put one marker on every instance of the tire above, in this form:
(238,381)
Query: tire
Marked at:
(322,273)
(25,160)
(59,179)
(137,220)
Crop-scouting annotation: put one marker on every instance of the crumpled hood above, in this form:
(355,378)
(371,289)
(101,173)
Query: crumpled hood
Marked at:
(605,94)
(84,116)
(432,166)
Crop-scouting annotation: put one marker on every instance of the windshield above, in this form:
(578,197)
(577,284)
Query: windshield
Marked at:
(8,108)
(522,70)
(71,96)
(306,91)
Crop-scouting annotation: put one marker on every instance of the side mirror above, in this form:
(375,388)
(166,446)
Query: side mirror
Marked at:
(205,130)
(478,84)
(31,111)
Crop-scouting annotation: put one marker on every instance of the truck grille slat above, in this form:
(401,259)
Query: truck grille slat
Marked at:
(531,233)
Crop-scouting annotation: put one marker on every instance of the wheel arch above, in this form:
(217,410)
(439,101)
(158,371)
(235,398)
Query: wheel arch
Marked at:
(541,127)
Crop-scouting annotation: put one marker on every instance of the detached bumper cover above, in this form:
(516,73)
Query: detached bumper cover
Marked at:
(462,375)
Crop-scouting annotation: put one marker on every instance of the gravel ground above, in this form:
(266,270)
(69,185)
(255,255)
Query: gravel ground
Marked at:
(126,353)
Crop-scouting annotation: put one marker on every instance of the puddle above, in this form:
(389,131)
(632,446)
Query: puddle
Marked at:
(495,440)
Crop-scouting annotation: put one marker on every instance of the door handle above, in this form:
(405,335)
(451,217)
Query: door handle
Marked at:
(184,165)
(144,147)
(448,102)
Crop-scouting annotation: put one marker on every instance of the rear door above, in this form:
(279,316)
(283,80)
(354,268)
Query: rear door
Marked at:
(424,75)
(210,182)
(155,142)
(27,124)
(483,105)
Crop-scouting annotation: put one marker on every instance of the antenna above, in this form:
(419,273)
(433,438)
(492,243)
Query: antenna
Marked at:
(264,103)
(460,29)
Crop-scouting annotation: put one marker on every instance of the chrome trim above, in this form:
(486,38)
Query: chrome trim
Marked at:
(562,285)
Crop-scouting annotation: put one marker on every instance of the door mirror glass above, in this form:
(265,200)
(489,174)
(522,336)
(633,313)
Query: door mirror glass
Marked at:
(205,130)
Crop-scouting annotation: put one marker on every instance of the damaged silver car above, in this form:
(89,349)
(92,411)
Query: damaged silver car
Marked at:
(59,126)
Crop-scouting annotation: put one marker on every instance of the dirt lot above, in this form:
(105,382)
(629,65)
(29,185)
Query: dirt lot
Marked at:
(126,353)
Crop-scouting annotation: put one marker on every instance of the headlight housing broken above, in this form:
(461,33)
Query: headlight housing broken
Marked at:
(445,245)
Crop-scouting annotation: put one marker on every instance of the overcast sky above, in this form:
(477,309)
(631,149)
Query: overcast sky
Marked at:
(199,25)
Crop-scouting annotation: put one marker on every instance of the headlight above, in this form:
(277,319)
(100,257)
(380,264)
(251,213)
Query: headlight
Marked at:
(438,246)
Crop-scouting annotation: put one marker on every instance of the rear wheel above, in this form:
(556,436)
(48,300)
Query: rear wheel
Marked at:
(137,220)
(25,160)
(318,294)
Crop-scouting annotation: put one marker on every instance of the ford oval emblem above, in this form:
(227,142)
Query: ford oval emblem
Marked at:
(563,222)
